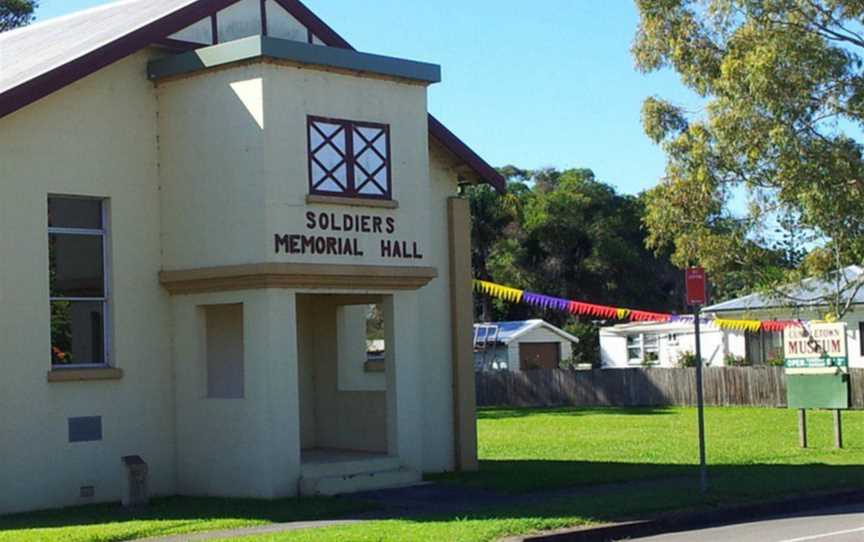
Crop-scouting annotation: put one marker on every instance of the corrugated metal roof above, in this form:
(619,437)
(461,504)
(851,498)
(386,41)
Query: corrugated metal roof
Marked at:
(652,327)
(809,292)
(508,331)
(31,51)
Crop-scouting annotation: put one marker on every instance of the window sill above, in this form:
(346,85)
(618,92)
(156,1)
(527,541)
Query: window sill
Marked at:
(352,202)
(374,367)
(84,375)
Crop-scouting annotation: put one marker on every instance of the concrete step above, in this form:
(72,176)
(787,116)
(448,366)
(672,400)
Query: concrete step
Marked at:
(353,483)
(339,466)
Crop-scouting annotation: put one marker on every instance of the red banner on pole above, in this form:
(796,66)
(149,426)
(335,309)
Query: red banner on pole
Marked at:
(697,292)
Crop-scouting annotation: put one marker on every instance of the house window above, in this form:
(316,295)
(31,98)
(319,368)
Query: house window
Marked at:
(773,345)
(349,159)
(762,347)
(643,348)
(672,339)
(634,348)
(78,281)
(651,348)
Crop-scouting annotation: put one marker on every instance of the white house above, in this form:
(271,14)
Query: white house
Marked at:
(521,345)
(809,295)
(199,201)
(662,344)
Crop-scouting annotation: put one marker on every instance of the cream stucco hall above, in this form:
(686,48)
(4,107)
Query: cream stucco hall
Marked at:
(224,344)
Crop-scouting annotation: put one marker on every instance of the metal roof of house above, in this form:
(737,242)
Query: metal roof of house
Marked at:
(42,58)
(681,326)
(808,292)
(32,51)
(510,331)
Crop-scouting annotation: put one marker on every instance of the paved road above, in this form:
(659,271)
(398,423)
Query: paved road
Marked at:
(837,524)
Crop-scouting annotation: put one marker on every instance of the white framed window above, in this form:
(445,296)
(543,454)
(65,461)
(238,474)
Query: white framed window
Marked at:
(78,281)
(650,348)
(643,348)
(634,348)
(763,346)
(672,339)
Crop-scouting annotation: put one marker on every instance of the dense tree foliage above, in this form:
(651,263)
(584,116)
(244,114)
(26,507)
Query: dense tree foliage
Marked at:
(15,13)
(784,107)
(566,234)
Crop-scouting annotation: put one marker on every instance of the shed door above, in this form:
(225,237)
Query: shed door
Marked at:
(539,356)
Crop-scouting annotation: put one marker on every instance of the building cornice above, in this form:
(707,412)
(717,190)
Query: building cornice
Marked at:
(296,276)
(294,52)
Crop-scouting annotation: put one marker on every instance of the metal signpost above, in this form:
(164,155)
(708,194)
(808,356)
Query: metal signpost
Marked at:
(817,373)
(697,294)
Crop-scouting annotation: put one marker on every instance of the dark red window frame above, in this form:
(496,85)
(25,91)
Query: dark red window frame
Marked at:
(348,126)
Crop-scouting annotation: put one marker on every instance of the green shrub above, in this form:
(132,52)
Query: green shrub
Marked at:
(651,358)
(776,362)
(731,360)
(587,350)
(688,359)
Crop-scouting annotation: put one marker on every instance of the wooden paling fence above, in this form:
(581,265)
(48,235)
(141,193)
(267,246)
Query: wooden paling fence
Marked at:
(728,386)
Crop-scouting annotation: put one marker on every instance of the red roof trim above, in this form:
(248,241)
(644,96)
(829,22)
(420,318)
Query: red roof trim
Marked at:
(158,32)
(465,153)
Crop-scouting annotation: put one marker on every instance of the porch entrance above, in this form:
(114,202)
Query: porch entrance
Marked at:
(347,398)
(343,406)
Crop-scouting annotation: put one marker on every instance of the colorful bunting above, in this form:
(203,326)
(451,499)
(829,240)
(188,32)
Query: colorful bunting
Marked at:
(738,325)
(779,325)
(642,316)
(501,292)
(545,301)
(603,311)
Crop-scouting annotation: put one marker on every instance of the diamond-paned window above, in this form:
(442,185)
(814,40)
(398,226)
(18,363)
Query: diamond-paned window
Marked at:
(349,158)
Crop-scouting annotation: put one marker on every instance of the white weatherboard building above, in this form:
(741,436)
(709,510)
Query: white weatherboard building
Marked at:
(521,345)
(661,344)
(199,201)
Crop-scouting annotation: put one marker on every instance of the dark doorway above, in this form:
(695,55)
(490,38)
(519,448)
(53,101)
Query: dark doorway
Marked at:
(539,356)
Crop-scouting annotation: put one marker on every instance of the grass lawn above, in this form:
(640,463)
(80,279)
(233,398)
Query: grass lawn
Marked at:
(168,516)
(527,450)
(753,454)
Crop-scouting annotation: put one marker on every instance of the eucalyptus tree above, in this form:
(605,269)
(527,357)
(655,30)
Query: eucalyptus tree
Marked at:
(15,13)
(783,93)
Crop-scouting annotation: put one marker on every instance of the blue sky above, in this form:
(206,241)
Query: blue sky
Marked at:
(553,85)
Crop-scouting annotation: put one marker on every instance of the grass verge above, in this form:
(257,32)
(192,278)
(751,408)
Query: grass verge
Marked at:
(168,516)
